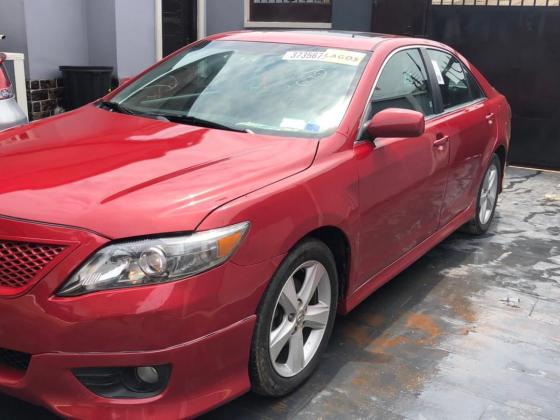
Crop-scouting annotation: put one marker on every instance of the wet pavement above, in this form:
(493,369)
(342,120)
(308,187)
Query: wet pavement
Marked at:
(471,331)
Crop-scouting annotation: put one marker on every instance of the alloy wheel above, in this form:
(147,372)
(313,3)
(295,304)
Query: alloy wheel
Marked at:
(488,195)
(300,318)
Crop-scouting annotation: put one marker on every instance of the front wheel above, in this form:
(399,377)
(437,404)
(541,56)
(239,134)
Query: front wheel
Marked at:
(295,320)
(487,199)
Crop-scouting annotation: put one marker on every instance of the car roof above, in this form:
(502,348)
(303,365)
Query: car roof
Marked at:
(366,41)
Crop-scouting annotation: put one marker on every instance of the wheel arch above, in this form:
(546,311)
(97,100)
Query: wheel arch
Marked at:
(502,154)
(337,241)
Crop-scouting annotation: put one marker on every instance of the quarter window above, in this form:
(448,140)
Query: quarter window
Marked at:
(458,86)
(403,83)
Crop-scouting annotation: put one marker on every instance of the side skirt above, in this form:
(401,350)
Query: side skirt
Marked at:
(370,286)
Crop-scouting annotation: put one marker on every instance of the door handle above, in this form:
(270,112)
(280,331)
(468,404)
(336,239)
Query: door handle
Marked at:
(490,118)
(441,141)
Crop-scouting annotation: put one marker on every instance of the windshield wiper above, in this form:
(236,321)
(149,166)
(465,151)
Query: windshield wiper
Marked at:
(116,107)
(187,119)
(181,119)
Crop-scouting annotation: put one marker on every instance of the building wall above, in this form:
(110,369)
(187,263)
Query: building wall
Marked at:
(228,15)
(105,32)
(52,33)
(135,35)
(224,15)
(56,35)
(12,24)
(101,32)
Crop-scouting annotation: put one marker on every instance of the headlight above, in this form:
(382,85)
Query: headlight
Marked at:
(158,260)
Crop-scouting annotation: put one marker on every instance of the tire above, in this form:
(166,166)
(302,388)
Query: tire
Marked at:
(276,368)
(487,197)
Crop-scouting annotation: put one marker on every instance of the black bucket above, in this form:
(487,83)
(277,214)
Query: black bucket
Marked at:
(85,84)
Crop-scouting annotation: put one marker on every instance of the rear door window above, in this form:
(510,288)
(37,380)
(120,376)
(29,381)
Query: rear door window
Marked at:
(458,86)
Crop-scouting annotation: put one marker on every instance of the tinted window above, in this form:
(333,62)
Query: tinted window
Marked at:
(457,85)
(476,91)
(403,83)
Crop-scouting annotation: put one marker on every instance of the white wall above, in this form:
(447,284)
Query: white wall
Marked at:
(135,35)
(53,33)
(12,24)
(101,32)
(56,36)
(117,33)
(224,15)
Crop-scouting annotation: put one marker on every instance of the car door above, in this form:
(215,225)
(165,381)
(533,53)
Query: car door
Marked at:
(402,180)
(471,126)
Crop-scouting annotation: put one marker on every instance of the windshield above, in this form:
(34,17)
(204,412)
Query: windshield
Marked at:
(269,88)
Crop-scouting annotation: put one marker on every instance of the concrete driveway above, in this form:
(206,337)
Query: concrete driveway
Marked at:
(471,331)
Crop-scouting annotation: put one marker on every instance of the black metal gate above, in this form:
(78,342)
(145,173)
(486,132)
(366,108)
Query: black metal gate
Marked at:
(516,47)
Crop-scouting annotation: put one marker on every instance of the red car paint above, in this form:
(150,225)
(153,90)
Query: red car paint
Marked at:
(88,177)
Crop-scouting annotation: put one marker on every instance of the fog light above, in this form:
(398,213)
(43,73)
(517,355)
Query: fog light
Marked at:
(125,382)
(147,374)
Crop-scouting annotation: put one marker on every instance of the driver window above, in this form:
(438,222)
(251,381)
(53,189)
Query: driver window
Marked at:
(403,83)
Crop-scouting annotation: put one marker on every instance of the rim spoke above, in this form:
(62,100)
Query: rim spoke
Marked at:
(491,179)
(492,196)
(288,298)
(295,356)
(483,206)
(313,275)
(279,338)
(488,195)
(486,184)
(317,316)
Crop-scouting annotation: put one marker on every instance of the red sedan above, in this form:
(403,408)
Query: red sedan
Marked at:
(192,235)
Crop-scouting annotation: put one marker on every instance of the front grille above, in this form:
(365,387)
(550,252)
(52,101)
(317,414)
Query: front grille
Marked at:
(21,263)
(14,359)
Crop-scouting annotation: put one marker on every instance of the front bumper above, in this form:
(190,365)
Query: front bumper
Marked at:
(206,372)
(202,326)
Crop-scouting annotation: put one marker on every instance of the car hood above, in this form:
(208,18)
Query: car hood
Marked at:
(124,176)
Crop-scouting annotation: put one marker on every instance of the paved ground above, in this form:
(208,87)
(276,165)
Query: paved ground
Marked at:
(471,331)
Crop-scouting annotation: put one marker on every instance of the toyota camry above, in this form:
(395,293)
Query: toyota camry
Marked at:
(193,235)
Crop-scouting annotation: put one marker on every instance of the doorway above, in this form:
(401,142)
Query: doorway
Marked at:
(179,24)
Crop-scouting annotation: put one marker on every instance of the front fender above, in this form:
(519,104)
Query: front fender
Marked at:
(283,213)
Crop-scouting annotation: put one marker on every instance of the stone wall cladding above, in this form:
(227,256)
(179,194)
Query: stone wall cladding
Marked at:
(43,97)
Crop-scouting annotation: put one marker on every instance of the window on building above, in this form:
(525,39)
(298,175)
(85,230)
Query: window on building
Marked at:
(288,13)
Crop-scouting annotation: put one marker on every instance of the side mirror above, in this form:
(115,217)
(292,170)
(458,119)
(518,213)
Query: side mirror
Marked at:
(396,122)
